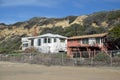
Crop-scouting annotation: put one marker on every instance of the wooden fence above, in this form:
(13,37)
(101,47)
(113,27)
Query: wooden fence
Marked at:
(113,59)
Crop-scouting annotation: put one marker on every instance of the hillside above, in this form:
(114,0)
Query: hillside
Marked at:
(98,22)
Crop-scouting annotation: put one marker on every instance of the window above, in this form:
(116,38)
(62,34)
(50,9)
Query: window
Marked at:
(32,42)
(70,41)
(45,40)
(25,45)
(85,41)
(54,39)
(92,41)
(39,42)
(79,41)
(102,40)
(62,40)
(98,40)
(49,40)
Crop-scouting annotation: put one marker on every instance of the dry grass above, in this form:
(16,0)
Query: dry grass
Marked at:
(24,71)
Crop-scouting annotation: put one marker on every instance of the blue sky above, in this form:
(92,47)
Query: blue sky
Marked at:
(12,11)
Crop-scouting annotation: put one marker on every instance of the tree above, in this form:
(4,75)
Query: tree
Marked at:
(115,32)
(114,36)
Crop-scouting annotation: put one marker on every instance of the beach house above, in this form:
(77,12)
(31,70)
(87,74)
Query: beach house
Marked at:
(86,45)
(46,43)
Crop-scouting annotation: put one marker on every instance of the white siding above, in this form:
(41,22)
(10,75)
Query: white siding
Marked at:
(35,42)
(52,47)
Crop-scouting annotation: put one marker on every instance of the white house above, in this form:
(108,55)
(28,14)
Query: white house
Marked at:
(46,43)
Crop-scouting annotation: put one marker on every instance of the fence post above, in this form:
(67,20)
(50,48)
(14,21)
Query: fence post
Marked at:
(75,59)
(0,57)
(62,60)
(6,56)
(30,58)
(91,61)
(111,58)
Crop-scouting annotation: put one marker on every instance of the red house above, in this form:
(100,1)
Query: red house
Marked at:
(86,45)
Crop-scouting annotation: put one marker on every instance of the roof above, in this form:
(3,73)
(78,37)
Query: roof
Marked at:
(48,35)
(89,36)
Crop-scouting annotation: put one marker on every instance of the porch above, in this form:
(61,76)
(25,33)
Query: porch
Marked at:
(83,51)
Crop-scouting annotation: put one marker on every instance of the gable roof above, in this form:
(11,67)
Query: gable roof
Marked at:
(47,35)
(52,35)
(89,36)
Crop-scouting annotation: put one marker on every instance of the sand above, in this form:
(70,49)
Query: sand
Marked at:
(24,71)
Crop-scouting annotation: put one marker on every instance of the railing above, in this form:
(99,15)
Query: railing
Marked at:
(83,45)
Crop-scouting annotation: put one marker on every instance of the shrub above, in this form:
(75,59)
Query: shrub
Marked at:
(118,55)
(6,51)
(102,57)
(31,50)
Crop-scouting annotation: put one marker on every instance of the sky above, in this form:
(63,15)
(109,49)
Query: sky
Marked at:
(12,11)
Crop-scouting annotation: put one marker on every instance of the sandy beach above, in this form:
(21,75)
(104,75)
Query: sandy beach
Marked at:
(24,71)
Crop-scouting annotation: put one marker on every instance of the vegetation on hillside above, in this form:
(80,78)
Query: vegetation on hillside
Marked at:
(73,30)
(10,44)
(115,32)
(111,18)
(2,26)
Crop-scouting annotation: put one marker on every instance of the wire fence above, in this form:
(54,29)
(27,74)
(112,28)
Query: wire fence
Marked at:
(110,59)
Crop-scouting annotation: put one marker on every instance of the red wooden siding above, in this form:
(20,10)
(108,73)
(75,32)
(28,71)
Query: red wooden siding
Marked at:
(75,43)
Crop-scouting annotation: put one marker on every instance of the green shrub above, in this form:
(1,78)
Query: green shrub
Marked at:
(31,50)
(6,51)
(102,57)
(118,55)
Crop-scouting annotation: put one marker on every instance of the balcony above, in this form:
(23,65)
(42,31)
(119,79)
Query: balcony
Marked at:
(82,45)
